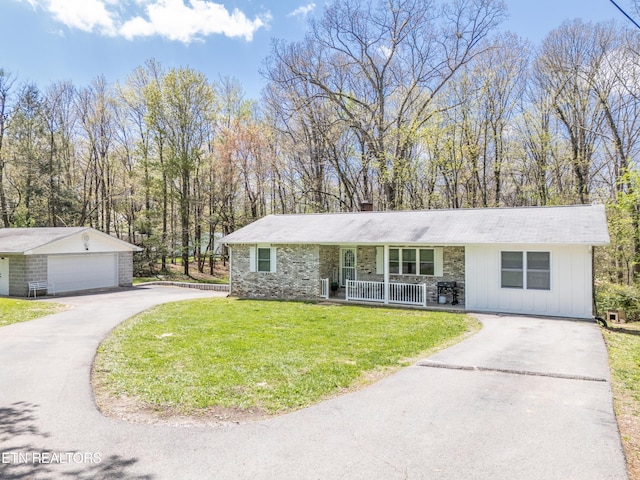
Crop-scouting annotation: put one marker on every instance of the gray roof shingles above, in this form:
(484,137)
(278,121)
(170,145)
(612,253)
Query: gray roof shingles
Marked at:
(20,240)
(577,224)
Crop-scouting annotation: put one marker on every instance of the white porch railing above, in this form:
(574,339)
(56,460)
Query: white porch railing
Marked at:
(404,293)
(367,291)
(408,293)
(324,288)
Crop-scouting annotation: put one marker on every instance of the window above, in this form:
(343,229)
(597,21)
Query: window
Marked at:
(394,261)
(415,261)
(538,271)
(537,266)
(264,259)
(427,261)
(408,261)
(512,269)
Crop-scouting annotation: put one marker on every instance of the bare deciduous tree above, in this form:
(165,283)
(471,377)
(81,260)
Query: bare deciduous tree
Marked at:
(6,83)
(381,64)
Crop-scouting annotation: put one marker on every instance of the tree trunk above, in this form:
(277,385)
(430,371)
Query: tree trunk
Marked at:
(184,220)
(3,198)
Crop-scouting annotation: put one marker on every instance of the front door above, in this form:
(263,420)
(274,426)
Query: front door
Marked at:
(4,276)
(347,265)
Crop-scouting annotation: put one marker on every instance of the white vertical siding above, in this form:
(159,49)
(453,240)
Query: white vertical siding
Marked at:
(570,294)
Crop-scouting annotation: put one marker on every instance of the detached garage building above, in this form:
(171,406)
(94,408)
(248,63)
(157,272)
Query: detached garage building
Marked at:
(71,258)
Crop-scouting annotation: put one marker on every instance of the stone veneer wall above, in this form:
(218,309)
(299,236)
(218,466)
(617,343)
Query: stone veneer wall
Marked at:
(330,262)
(296,276)
(299,269)
(125,269)
(453,271)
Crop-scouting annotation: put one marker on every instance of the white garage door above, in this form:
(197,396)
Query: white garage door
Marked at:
(83,272)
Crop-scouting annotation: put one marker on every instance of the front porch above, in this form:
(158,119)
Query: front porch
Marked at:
(420,276)
(393,293)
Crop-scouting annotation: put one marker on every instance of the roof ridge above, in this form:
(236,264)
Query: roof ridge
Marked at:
(463,209)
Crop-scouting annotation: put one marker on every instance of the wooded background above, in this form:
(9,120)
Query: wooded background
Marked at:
(400,102)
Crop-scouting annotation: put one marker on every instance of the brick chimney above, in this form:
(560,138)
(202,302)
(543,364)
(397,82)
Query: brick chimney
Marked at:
(366,206)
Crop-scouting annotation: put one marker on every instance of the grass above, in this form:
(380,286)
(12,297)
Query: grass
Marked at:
(623,343)
(15,311)
(262,356)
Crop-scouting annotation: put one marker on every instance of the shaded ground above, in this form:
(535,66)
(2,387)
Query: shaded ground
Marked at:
(29,453)
(175,273)
(420,423)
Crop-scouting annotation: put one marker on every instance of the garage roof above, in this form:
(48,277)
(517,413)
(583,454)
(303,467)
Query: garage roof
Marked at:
(578,224)
(28,240)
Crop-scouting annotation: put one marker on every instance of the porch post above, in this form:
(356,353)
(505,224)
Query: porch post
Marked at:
(386,273)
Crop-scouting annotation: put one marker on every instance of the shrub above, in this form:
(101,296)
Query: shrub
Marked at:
(611,296)
(147,261)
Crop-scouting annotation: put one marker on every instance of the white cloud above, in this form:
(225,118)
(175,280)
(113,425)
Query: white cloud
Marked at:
(175,20)
(303,10)
(178,20)
(86,15)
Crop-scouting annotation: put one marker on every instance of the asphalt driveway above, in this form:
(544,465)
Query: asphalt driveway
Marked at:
(524,398)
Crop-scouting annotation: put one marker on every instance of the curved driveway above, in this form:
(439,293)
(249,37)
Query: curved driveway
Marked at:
(524,398)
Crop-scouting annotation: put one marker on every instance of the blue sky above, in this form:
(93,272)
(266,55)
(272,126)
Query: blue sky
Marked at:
(48,40)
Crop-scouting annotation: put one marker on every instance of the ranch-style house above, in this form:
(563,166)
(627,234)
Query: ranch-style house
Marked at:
(526,260)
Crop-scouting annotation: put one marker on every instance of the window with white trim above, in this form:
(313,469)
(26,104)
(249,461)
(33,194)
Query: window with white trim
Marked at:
(409,261)
(262,258)
(512,266)
(538,271)
(531,271)
(415,261)
(394,261)
(427,261)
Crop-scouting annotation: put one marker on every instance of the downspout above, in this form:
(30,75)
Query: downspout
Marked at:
(594,307)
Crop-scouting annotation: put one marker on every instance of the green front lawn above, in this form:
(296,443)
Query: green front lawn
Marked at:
(623,343)
(14,311)
(263,356)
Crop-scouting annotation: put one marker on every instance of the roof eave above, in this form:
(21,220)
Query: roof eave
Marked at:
(403,243)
